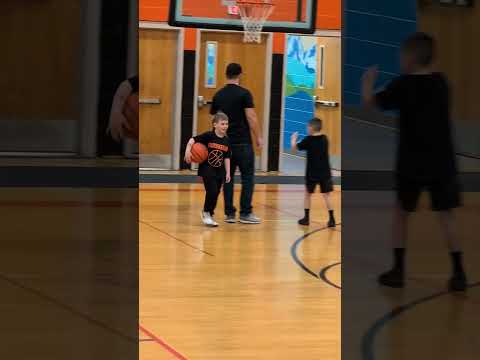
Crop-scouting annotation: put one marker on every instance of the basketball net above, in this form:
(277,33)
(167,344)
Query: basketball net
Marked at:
(254,13)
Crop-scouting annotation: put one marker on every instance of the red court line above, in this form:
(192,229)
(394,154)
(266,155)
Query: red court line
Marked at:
(162,343)
(73,204)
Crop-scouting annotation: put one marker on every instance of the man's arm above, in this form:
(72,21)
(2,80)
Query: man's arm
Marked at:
(214,106)
(253,123)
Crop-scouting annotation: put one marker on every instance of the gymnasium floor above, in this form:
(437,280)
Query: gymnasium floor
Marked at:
(422,321)
(65,232)
(237,292)
(273,291)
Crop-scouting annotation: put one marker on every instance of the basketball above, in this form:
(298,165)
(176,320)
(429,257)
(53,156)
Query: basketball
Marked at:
(199,153)
(130,111)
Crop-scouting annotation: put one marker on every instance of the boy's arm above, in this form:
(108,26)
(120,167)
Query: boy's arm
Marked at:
(368,85)
(388,99)
(188,151)
(227,170)
(117,120)
(293,142)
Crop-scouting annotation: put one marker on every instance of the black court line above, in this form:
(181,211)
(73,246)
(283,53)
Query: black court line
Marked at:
(368,341)
(175,238)
(323,275)
(293,253)
(68,308)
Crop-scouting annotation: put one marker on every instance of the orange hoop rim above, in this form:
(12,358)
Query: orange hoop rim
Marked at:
(255,2)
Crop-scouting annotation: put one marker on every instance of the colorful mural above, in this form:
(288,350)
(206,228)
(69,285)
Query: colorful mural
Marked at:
(300,82)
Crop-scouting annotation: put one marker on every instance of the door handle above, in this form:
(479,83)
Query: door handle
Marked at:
(202,102)
(325,103)
(150,101)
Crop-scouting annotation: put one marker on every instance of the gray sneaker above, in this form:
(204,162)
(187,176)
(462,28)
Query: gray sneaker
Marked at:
(250,219)
(230,219)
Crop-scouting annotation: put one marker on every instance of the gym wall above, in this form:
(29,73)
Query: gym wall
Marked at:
(372,34)
(328,18)
(458,56)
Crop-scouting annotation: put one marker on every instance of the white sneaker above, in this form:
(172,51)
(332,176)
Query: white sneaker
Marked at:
(208,220)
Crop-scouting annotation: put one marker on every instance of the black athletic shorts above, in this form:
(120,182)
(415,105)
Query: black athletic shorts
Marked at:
(326,185)
(444,193)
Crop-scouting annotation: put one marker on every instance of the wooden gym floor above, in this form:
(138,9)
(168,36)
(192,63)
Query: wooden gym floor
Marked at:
(272,291)
(237,291)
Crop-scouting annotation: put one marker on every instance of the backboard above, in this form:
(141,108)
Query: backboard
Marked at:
(290,16)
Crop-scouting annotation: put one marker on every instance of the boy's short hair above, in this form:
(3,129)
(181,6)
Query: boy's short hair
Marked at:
(422,46)
(316,124)
(219,116)
(234,70)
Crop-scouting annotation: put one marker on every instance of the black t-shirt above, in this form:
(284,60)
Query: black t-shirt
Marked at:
(233,100)
(134,84)
(218,151)
(425,149)
(318,162)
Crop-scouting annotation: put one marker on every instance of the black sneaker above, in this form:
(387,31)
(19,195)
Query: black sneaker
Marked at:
(458,282)
(305,221)
(331,223)
(393,278)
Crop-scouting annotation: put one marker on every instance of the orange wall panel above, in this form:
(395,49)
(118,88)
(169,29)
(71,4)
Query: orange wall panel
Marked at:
(153,10)
(328,16)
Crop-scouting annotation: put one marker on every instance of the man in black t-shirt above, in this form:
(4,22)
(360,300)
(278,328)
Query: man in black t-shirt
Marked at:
(118,122)
(425,157)
(318,168)
(237,103)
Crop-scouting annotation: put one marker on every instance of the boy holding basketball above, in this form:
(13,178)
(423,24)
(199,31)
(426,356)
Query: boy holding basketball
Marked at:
(318,168)
(425,157)
(214,168)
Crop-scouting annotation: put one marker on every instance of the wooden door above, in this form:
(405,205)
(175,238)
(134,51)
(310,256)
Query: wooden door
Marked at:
(158,65)
(252,58)
(42,97)
(328,91)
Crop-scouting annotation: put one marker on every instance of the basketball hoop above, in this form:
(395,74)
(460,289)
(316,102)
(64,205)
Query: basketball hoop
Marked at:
(254,13)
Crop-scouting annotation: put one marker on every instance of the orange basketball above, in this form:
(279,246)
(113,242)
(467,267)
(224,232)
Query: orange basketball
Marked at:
(199,153)
(130,111)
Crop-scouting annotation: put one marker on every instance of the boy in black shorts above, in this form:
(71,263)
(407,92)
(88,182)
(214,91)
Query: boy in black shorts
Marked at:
(318,168)
(216,169)
(425,157)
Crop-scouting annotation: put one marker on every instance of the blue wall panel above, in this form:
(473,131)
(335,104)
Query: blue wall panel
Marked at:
(300,83)
(372,33)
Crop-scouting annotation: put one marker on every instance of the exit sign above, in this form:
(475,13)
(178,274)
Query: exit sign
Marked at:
(233,10)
